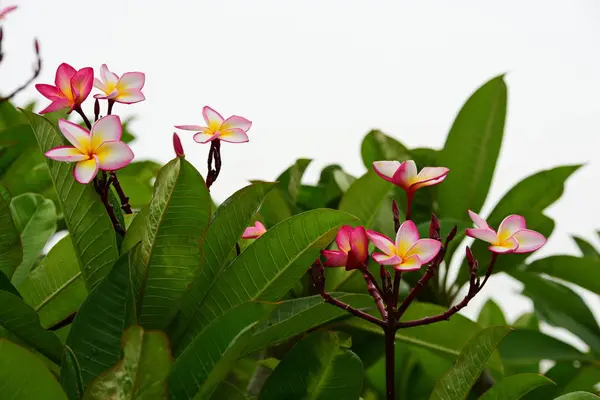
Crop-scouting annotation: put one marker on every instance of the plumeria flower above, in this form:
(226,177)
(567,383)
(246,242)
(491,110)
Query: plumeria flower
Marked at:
(254,232)
(353,249)
(101,148)
(6,10)
(72,88)
(232,129)
(405,174)
(512,235)
(409,252)
(126,90)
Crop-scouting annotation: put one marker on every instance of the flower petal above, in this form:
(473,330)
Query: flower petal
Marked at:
(384,259)
(406,237)
(382,242)
(386,169)
(62,81)
(204,137)
(98,84)
(236,122)
(343,238)
(131,80)
(477,220)
(66,153)
(508,246)
(50,92)
(233,136)
(334,258)
(429,176)
(75,134)
(426,249)
(85,171)
(411,263)
(406,174)
(194,128)
(359,244)
(113,155)
(129,96)
(253,232)
(6,10)
(509,226)
(81,84)
(528,241)
(485,234)
(110,79)
(212,118)
(106,129)
(55,106)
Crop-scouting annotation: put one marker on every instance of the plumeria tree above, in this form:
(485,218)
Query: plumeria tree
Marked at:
(341,289)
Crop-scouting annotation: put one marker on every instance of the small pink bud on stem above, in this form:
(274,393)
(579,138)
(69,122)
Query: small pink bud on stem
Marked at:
(177,146)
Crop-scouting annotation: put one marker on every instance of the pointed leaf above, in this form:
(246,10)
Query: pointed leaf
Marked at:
(318,367)
(138,179)
(24,376)
(377,146)
(457,382)
(515,387)
(582,271)
(471,150)
(92,232)
(491,315)
(578,396)
(525,346)
(587,249)
(7,286)
(11,247)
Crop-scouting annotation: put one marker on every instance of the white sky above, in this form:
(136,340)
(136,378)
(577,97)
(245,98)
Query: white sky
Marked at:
(315,76)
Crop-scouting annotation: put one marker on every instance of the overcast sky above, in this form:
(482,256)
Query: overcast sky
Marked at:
(314,76)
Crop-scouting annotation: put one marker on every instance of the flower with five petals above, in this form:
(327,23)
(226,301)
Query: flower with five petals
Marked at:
(353,249)
(232,129)
(72,88)
(405,174)
(101,148)
(127,89)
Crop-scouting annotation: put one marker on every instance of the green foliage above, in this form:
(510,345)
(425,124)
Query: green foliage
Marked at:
(11,247)
(515,387)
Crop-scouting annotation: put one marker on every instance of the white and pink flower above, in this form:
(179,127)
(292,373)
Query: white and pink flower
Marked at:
(353,249)
(71,88)
(405,174)
(232,129)
(127,89)
(254,232)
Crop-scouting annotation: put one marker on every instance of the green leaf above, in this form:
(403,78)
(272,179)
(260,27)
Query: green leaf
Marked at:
(135,231)
(318,367)
(515,387)
(95,335)
(275,208)
(7,286)
(14,142)
(24,376)
(137,178)
(526,346)
(491,315)
(587,249)
(296,316)
(11,247)
(31,163)
(228,391)
(527,320)
(23,323)
(141,374)
(35,218)
(229,222)
(290,180)
(456,383)
(269,267)
(199,369)
(377,146)
(91,231)
(471,150)
(560,306)
(578,396)
(176,223)
(55,288)
(582,271)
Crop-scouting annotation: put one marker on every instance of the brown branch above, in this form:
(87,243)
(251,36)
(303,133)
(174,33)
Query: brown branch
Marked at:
(122,198)
(102,188)
(397,280)
(375,292)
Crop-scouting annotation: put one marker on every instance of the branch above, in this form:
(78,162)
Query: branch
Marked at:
(375,292)
(122,198)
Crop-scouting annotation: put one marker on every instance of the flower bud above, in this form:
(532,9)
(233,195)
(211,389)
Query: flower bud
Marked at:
(177,146)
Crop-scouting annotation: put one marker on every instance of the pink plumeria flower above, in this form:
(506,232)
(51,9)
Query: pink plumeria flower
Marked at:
(254,232)
(6,10)
(512,235)
(72,88)
(409,251)
(127,89)
(353,249)
(405,174)
(232,129)
(101,148)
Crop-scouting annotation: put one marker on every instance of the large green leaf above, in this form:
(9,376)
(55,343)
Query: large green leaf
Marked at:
(318,367)
(560,306)
(578,396)
(296,316)
(291,179)
(137,179)
(14,142)
(228,391)
(526,346)
(200,368)
(23,323)
(226,228)
(141,374)
(96,331)
(35,218)
(7,286)
(471,150)
(456,383)
(516,386)
(11,247)
(491,315)
(582,271)
(31,164)
(269,267)
(55,288)
(377,146)
(587,249)
(135,230)
(91,231)
(24,376)
(176,223)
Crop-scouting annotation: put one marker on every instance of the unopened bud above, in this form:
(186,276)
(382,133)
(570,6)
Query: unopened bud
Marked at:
(96,109)
(470,258)
(452,234)
(434,228)
(1,34)
(36,46)
(177,146)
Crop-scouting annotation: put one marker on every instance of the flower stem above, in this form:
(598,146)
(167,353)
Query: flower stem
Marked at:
(122,197)
(111,103)
(409,200)
(390,362)
(79,111)
(102,189)
(213,173)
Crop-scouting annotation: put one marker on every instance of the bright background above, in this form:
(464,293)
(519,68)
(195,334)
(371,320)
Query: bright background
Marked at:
(315,76)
